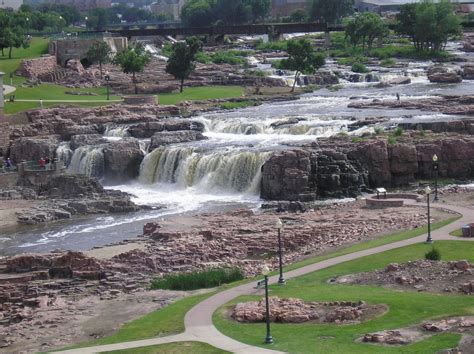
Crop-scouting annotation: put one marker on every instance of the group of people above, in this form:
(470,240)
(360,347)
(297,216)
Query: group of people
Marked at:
(6,165)
(45,163)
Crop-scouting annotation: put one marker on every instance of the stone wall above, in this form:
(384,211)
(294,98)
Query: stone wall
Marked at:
(33,68)
(4,138)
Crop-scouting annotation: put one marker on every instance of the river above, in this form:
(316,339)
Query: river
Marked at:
(224,170)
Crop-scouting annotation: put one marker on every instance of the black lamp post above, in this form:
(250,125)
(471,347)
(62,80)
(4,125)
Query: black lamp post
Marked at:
(435,170)
(107,80)
(279,226)
(268,337)
(428,193)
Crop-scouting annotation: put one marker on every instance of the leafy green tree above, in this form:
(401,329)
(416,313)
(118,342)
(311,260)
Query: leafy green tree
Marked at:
(98,19)
(429,25)
(197,13)
(181,63)
(330,11)
(302,59)
(99,52)
(13,27)
(231,12)
(364,29)
(299,15)
(260,9)
(133,60)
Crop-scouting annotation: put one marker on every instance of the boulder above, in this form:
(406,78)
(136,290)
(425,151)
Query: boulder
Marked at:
(401,80)
(442,74)
(71,186)
(86,139)
(468,71)
(167,138)
(122,159)
(33,149)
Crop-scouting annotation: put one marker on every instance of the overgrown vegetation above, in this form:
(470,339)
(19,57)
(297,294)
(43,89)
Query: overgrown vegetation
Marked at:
(203,279)
(433,255)
(359,68)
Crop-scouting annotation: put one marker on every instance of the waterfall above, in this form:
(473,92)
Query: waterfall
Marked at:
(118,131)
(88,160)
(64,153)
(231,171)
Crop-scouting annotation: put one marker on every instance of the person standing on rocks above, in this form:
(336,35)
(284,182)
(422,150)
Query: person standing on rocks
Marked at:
(42,163)
(47,162)
(8,164)
(398,98)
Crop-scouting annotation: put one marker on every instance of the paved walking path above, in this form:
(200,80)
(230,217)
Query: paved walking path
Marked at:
(198,321)
(7,89)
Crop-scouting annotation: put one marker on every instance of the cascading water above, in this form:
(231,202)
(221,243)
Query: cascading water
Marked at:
(64,153)
(118,131)
(87,160)
(230,171)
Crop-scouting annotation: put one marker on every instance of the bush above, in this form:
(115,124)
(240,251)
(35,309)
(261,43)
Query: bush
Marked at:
(208,278)
(227,58)
(359,68)
(388,63)
(282,45)
(433,255)
(203,58)
(398,132)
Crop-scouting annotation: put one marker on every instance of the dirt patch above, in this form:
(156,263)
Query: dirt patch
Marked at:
(404,336)
(298,311)
(421,275)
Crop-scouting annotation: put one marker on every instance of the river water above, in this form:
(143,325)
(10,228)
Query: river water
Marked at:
(223,171)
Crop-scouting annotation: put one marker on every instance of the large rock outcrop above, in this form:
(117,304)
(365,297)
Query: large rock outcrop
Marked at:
(443,74)
(336,168)
(122,159)
(32,149)
(167,138)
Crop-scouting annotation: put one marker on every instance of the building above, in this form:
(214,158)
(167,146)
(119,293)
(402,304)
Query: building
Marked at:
(381,6)
(84,5)
(283,8)
(168,7)
(11,4)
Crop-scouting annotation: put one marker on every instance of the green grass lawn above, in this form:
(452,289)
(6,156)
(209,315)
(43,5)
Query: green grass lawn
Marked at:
(405,308)
(173,348)
(201,93)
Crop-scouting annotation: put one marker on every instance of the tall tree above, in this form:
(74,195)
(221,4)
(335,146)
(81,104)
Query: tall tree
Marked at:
(428,24)
(260,9)
(365,28)
(181,63)
(302,59)
(99,52)
(197,13)
(133,60)
(330,11)
(13,27)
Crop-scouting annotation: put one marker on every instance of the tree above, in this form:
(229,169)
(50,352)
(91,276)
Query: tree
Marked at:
(13,28)
(260,9)
(133,60)
(181,63)
(330,11)
(302,59)
(364,29)
(98,19)
(197,13)
(299,15)
(99,52)
(428,24)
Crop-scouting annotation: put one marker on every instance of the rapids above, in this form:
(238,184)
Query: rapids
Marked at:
(224,170)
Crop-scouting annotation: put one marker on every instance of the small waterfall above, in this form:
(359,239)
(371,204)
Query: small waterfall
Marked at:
(234,127)
(64,153)
(88,160)
(231,171)
(118,131)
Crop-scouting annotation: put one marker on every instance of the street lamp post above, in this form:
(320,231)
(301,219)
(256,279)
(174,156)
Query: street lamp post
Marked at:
(268,337)
(428,193)
(435,169)
(279,226)
(107,80)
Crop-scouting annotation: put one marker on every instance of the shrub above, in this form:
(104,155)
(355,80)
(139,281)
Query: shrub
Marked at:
(392,140)
(207,278)
(398,132)
(359,68)
(203,58)
(282,45)
(433,255)
(378,130)
(227,58)
(388,63)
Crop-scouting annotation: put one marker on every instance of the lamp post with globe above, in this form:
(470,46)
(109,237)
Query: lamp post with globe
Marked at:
(428,194)
(435,170)
(268,337)
(279,226)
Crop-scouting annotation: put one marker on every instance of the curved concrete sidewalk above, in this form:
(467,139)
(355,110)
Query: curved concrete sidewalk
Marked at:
(198,321)
(7,89)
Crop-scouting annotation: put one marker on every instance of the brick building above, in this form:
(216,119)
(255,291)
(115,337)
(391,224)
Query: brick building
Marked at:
(168,7)
(282,8)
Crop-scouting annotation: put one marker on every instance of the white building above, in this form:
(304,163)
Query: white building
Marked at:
(11,4)
(394,5)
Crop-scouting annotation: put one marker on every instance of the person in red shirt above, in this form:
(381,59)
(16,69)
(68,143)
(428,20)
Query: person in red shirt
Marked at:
(42,163)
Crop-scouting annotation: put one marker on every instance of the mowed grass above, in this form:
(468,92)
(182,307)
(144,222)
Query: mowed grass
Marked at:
(173,348)
(201,94)
(405,307)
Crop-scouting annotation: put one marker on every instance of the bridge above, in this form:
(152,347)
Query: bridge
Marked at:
(274,30)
